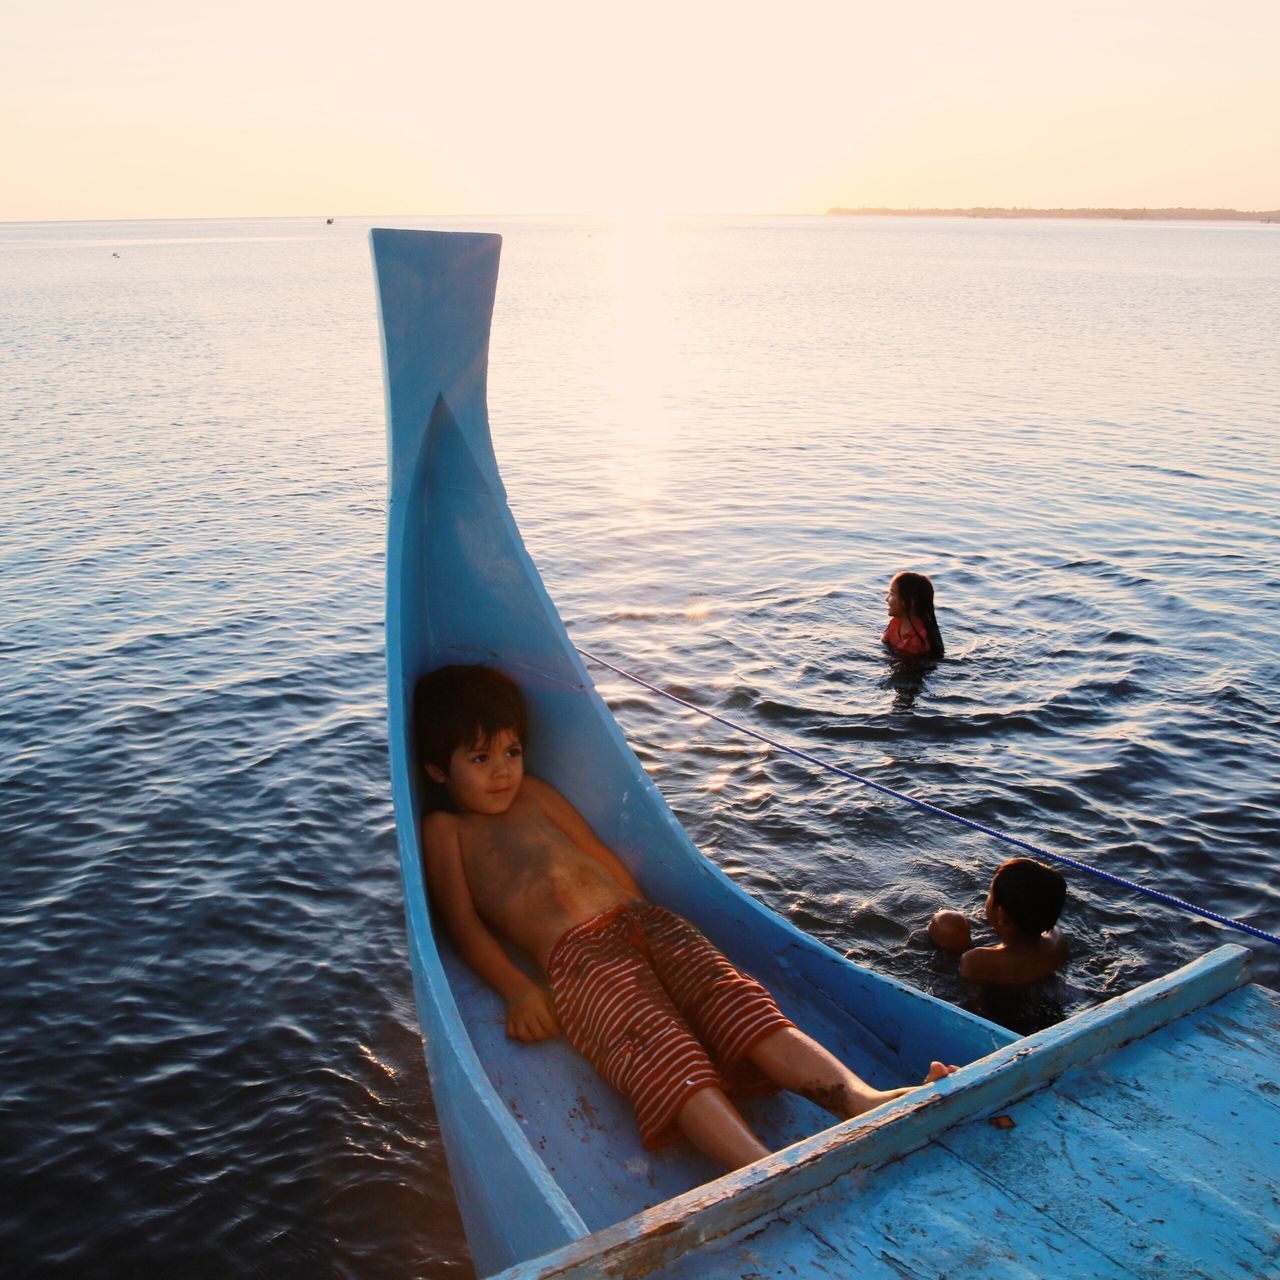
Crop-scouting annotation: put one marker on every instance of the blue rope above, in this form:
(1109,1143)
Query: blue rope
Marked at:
(933,808)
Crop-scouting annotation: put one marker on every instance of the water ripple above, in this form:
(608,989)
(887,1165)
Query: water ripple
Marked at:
(211,1061)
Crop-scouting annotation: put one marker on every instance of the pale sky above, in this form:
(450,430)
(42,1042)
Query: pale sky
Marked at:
(167,108)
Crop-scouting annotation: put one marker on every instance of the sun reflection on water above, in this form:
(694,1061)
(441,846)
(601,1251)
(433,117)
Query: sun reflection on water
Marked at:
(642,362)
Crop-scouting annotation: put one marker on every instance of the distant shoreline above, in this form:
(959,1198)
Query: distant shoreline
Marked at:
(1138,215)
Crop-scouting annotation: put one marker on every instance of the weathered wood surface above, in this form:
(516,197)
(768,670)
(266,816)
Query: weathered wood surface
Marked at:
(1160,1159)
(891,1189)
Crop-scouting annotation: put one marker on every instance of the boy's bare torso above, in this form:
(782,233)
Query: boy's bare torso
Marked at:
(527,877)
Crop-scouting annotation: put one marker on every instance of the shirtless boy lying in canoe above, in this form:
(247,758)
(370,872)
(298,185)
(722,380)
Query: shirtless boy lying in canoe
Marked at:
(656,1009)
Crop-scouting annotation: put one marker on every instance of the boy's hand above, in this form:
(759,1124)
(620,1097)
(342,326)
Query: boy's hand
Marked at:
(530,1016)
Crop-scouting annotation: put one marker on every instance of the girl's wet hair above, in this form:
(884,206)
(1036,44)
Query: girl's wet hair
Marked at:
(464,706)
(916,592)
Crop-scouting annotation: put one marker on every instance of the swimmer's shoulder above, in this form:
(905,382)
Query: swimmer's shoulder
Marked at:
(985,964)
(1005,965)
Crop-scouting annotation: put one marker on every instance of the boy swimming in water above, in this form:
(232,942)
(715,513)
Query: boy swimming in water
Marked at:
(657,1010)
(1023,905)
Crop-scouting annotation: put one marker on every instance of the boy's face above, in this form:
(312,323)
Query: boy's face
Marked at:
(484,778)
(997,916)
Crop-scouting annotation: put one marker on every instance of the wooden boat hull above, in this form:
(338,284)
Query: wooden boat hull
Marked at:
(541,1152)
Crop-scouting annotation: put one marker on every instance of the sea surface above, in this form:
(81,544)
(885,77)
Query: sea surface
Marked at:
(720,438)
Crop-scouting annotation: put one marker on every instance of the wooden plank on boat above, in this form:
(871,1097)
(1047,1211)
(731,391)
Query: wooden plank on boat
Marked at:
(1158,1198)
(746,1200)
(1248,1027)
(1122,1167)
(927,1216)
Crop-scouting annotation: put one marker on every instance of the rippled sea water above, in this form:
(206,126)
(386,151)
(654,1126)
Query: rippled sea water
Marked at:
(720,438)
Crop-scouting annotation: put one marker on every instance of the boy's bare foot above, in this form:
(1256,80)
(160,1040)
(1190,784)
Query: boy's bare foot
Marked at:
(937,1071)
(793,1060)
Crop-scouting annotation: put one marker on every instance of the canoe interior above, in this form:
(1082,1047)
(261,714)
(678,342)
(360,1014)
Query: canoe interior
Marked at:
(541,1151)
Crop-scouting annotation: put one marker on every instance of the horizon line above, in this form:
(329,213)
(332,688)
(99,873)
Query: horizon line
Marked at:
(832,211)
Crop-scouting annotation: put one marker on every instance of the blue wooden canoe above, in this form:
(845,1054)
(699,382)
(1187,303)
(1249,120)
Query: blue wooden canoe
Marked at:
(549,1174)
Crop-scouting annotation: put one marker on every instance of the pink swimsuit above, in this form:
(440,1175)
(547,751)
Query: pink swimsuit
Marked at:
(902,638)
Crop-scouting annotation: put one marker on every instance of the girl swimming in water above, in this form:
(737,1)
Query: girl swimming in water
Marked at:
(913,629)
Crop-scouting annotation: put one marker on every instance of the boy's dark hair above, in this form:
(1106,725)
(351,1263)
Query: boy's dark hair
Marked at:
(463,706)
(1031,893)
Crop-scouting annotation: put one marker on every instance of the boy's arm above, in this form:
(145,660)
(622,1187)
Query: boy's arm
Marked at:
(529,1012)
(576,827)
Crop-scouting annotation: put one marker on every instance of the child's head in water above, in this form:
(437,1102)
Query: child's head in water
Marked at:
(1022,907)
(1027,896)
(470,725)
(910,601)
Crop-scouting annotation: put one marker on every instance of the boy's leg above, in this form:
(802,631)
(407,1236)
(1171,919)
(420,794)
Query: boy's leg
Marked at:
(712,1124)
(728,1010)
(617,1014)
(801,1064)
(738,1021)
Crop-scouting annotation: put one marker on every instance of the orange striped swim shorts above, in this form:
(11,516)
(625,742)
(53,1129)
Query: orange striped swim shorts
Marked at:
(659,1012)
